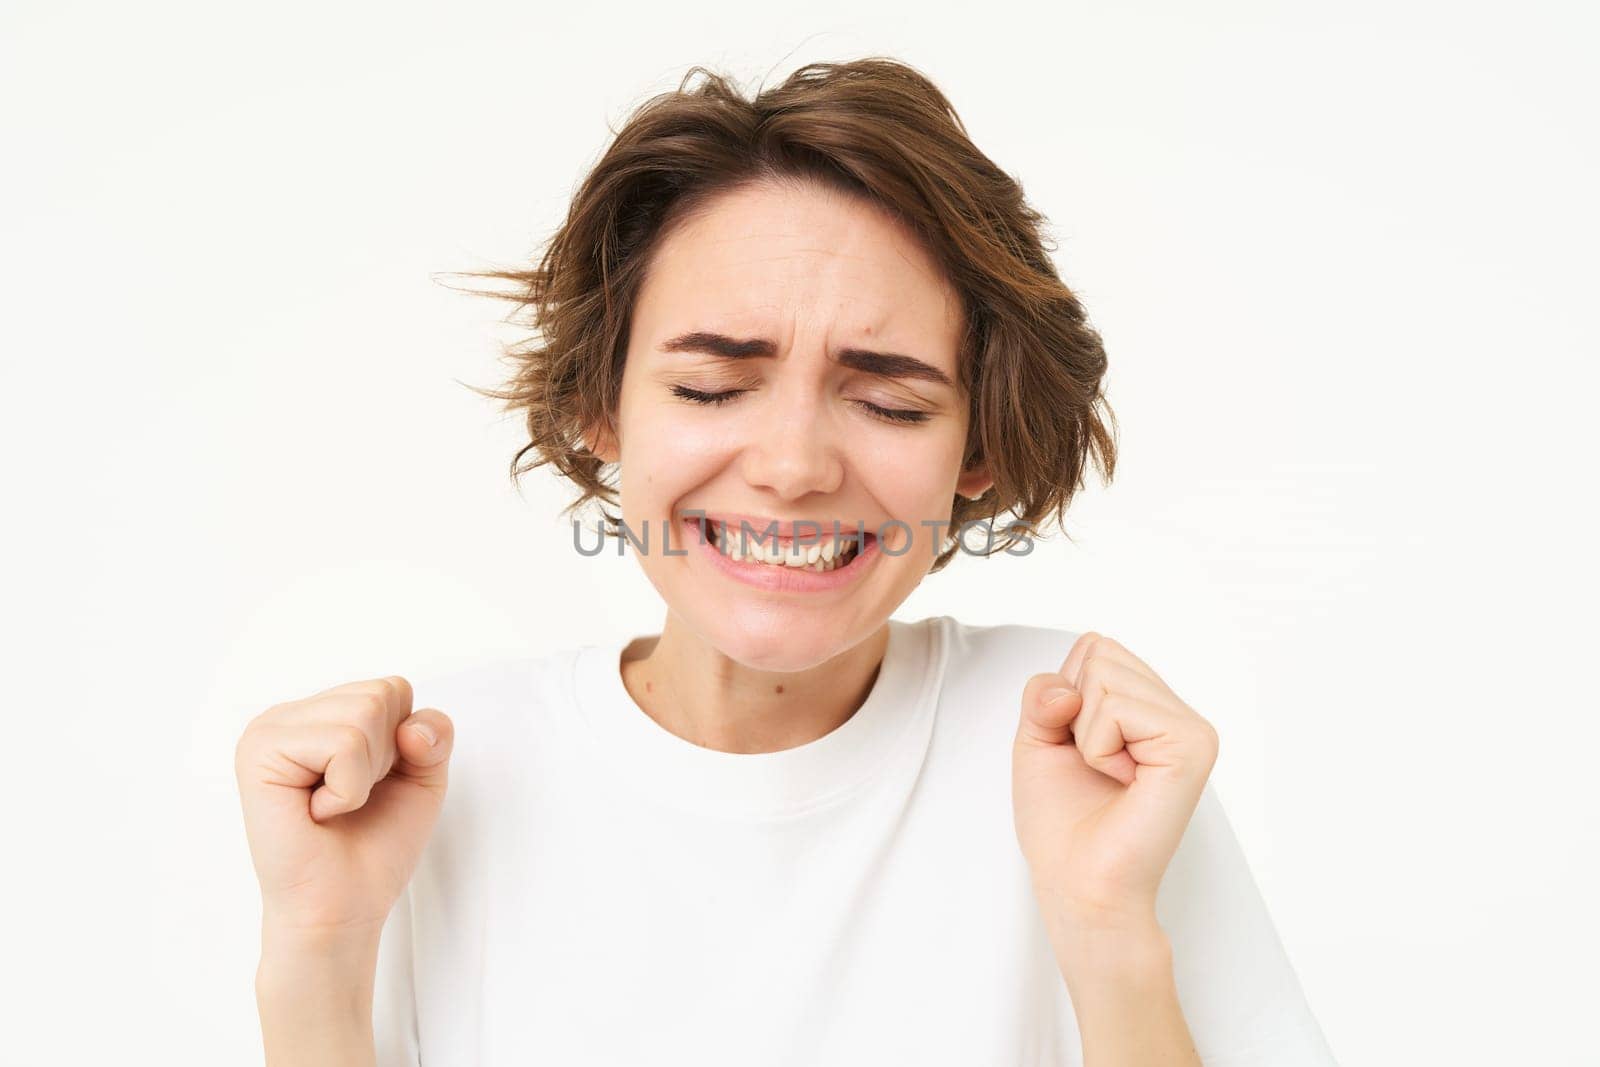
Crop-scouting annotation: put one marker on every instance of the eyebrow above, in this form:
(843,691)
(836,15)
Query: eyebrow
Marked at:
(884,364)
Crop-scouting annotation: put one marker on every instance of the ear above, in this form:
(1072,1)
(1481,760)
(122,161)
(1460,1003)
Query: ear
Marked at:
(975,482)
(602,443)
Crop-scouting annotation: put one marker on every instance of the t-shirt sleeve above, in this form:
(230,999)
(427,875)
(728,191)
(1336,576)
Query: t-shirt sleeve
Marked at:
(394,1002)
(1240,995)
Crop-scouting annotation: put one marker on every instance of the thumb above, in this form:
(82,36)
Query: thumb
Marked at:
(1049,704)
(423,743)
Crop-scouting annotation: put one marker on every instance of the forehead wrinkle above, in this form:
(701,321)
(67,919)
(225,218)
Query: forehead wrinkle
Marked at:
(909,252)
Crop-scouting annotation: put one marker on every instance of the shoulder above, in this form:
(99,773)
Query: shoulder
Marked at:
(513,720)
(497,703)
(491,685)
(984,669)
(1004,649)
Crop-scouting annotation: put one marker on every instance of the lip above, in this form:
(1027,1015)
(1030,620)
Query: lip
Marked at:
(776,578)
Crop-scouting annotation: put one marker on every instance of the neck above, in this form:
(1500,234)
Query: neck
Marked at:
(698,693)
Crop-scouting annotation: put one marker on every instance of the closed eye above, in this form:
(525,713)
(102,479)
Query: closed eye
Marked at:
(896,415)
(705,398)
(902,415)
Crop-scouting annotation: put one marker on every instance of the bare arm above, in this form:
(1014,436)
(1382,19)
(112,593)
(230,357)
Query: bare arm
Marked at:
(1119,975)
(314,996)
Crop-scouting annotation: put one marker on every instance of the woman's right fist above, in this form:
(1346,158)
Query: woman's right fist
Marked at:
(341,791)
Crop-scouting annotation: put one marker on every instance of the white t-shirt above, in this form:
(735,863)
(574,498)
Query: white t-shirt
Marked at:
(600,891)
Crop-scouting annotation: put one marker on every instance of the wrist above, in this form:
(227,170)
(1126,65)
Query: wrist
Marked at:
(1122,945)
(1133,914)
(330,971)
(314,991)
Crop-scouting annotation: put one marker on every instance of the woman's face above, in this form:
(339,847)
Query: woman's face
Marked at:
(756,387)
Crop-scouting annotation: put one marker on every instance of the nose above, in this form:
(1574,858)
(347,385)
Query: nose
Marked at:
(794,451)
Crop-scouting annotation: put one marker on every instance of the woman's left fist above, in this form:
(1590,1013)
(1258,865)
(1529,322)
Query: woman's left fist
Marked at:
(1107,769)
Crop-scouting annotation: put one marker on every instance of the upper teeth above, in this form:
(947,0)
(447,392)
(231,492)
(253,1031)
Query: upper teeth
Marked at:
(755,547)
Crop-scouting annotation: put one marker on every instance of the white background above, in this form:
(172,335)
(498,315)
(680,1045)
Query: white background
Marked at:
(1343,257)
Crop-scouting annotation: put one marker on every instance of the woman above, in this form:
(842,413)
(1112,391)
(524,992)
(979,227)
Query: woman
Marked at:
(800,340)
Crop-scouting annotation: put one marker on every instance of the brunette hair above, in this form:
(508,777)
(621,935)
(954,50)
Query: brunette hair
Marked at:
(1031,366)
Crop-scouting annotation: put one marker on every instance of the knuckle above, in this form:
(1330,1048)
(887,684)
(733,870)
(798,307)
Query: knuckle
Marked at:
(370,712)
(329,706)
(398,691)
(250,736)
(344,801)
(244,750)
(267,717)
(350,741)
(1093,669)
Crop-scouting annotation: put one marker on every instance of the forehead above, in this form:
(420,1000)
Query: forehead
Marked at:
(775,256)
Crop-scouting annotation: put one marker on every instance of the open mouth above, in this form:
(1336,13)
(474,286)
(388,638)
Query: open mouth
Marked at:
(820,554)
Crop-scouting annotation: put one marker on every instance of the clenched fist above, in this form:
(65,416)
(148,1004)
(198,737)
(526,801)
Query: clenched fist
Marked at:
(1108,766)
(341,791)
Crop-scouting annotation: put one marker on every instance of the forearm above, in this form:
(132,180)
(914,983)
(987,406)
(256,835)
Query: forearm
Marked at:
(1119,975)
(314,996)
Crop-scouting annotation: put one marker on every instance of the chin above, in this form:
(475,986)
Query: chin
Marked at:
(775,641)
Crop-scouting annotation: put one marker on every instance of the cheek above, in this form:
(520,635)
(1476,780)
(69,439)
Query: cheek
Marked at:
(912,473)
(665,446)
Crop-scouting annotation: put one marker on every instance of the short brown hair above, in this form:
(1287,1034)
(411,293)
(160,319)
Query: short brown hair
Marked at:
(1031,366)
